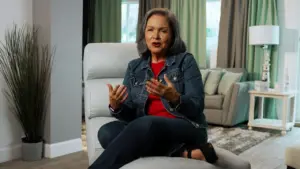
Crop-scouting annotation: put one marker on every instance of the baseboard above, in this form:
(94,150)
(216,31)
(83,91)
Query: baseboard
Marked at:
(62,148)
(10,153)
(297,124)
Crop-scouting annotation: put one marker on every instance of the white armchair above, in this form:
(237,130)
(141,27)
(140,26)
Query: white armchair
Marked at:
(106,63)
(103,63)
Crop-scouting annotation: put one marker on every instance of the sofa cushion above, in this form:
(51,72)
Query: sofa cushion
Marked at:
(213,101)
(204,73)
(228,79)
(212,82)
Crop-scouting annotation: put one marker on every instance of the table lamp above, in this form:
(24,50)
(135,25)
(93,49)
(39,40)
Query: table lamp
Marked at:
(264,36)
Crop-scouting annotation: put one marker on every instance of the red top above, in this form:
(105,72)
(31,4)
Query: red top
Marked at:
(156,107)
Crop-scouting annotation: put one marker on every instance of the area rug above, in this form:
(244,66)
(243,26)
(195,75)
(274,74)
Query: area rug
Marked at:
(235,139)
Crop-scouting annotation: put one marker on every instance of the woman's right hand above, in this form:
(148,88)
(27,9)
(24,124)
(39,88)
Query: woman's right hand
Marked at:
(117,95)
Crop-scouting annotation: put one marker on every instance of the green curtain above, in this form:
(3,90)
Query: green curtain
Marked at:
(192,18)
(263,12)
(106,23)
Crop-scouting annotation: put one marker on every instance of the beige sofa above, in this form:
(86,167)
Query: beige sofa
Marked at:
(226,95)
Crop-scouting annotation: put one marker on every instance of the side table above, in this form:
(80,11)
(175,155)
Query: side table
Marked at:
(288,110)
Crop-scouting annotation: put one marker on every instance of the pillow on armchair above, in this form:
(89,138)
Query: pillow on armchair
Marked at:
(212,82)
(228,79)
(204,74)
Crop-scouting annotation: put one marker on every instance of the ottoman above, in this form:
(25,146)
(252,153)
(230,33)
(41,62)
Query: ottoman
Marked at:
(227,160)
(292,156)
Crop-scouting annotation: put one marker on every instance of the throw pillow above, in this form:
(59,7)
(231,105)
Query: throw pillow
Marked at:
(204,74)
(212,82)
(228,79)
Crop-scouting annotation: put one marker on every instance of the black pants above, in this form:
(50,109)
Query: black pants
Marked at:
(145,136)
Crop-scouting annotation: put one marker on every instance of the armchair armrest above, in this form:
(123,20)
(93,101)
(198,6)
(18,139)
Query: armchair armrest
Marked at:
(236,104)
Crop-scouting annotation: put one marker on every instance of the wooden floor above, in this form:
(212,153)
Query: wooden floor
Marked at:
(72,161)
(270,153)
(267,155)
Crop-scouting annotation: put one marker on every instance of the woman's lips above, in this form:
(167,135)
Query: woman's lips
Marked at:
(156,44)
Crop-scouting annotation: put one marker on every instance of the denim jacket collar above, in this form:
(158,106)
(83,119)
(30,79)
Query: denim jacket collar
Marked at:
(169,61)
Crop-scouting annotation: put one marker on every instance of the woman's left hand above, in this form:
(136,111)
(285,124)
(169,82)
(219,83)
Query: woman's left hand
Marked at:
(166,91)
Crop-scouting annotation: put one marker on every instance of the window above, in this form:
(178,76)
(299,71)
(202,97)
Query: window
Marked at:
(213,14)
(130,10)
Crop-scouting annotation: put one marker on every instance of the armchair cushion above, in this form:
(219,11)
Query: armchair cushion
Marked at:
(212,82)
(228,79)
(204,73)
(226,160)
(214,101)
(108,60)
(168,163)
(96,93)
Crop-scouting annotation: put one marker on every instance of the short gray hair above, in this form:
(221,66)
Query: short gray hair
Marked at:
(176,46)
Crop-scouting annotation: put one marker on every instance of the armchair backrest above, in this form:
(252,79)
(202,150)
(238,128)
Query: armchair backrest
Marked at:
(104,63)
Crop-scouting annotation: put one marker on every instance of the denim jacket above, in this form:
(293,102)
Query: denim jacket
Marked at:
(183,72)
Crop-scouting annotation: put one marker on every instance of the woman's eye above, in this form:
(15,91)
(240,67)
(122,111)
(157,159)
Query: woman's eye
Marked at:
(150,30)
(164,31)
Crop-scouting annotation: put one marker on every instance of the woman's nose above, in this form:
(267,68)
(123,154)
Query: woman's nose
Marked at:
(156,35)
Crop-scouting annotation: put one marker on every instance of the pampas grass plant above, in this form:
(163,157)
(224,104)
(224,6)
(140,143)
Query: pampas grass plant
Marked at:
(26,67)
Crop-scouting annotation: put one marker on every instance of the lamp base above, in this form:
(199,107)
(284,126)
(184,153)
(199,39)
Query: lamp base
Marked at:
(265,76)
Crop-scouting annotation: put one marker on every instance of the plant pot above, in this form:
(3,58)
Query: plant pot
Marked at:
(32,151)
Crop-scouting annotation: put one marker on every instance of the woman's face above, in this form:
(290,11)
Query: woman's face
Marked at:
(157,34)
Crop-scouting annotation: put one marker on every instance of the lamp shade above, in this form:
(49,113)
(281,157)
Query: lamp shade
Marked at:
(264,35)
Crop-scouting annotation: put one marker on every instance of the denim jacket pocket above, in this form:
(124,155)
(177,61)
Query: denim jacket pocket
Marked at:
(137,87)
(176,77)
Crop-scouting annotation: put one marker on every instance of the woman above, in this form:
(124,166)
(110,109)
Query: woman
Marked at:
(160,104)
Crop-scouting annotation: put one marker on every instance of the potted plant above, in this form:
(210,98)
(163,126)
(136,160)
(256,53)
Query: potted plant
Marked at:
(26,67)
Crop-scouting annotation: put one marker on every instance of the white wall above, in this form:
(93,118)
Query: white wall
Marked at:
(61,25)
(289,30)
(19,12)
(66,83)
